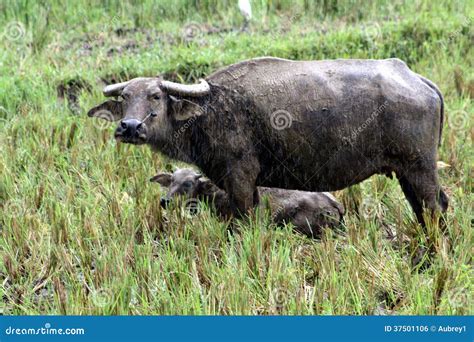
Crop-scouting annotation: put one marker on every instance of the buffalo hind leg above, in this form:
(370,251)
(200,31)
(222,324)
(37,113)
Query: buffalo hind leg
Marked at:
(412,198)
(423,193)
(422,190)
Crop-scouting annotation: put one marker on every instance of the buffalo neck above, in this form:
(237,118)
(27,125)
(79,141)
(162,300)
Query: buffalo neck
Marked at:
(184,140)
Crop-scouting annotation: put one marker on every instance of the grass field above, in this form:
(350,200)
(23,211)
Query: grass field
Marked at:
(81,228)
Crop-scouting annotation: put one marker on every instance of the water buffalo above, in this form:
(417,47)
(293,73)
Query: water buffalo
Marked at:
(304,125)
(309,212)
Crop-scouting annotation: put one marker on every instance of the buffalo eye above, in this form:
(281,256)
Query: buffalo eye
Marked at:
(187,184)
(156,97)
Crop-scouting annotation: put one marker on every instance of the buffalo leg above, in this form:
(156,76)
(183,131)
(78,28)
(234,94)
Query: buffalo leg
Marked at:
(422,191)
(241,197)
(241,188)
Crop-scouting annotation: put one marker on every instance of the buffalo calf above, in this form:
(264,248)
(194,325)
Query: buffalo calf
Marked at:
(309,212)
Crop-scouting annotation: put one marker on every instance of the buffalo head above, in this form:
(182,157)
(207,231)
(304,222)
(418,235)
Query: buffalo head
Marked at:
(184,182)
(144,106)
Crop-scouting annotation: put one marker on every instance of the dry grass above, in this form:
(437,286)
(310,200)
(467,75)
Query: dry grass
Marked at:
(81,229)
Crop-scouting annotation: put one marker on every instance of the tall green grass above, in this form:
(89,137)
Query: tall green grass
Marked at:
(82,231)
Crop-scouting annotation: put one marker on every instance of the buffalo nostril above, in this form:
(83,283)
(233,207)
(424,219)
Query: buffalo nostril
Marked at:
(139,126)
(130,127)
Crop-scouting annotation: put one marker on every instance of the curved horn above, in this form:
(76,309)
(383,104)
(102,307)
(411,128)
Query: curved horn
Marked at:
(114,89)
(194,90)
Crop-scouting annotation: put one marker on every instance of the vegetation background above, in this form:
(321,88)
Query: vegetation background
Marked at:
(81,229)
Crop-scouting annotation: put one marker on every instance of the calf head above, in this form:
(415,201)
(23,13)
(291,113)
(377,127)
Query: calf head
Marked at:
(184,182)
(146,106)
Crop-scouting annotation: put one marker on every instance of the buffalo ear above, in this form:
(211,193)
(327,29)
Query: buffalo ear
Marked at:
(175,105)
(183,109)
(162,178)
(110,110)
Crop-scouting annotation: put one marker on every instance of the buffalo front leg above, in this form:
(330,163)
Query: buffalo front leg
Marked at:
(241,187)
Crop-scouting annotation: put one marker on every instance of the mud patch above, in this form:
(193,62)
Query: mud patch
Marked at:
(70,91)
(129,46)
(121,40)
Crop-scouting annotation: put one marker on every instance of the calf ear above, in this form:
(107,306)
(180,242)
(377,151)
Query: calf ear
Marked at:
(162,178)
(207,188)
(184,109)
(110,110)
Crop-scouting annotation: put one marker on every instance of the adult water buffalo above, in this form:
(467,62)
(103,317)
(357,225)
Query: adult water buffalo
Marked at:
(305,125)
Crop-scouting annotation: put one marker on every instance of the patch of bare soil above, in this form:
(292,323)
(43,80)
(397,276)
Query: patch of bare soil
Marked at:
(70,91)
(118,41)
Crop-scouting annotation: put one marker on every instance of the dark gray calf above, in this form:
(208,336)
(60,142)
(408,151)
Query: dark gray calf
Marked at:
(309,212)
